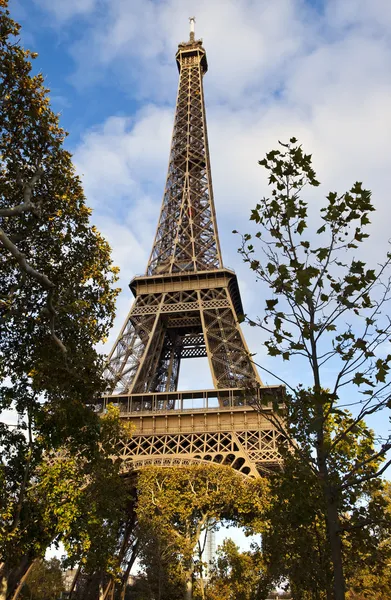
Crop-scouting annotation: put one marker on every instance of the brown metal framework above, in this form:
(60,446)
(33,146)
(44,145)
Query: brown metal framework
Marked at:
(186,237)
(187,306)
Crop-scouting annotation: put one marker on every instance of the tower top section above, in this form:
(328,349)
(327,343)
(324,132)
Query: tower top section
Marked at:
(191,52)
(186,238)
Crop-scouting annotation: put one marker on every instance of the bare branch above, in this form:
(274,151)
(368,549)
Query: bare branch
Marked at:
(39,277)
(26,205)
(21,260)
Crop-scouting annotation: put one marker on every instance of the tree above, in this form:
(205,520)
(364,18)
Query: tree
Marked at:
(370,575)
(236,575)
(176,505)
(56,301)
(296,548)
(318,283)
(139,589)
(82,501)
(44,581)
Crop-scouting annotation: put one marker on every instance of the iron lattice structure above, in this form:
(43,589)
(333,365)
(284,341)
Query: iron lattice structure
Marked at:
(187,306)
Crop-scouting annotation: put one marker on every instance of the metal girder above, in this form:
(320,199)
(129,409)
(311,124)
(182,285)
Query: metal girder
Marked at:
(177,326)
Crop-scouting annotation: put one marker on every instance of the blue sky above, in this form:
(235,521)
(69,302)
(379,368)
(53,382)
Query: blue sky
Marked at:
(318,70)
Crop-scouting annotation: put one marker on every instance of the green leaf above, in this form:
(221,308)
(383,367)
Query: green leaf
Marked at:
(301,226)
(271,268)
(322,253)
(270,304)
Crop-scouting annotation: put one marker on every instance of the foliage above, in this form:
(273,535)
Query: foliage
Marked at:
(296,547)
(370,576)
(78,499)
(176,505)
(56,299)
(160,557)
(83,498)
(44,582)
(140,590)
(329,312)
(236,575)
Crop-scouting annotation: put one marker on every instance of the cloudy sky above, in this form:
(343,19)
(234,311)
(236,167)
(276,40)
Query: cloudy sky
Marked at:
(316,69)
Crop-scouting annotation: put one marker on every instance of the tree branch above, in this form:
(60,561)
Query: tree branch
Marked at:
(26,205)
(39,277)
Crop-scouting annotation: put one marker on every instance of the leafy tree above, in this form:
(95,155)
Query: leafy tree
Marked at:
(370,575)
(296,547)
(318,282)
(56,301)
(176,505)
(236,575)
(83,498)
(139,590)
(161,560)
(82,501)
(45,581)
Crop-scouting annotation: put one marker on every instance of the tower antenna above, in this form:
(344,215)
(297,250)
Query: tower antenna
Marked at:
(192,24)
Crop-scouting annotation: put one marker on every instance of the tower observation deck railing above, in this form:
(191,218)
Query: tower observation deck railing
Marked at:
(213,400)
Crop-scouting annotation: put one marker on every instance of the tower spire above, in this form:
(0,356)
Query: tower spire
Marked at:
(186,237)
(192,24)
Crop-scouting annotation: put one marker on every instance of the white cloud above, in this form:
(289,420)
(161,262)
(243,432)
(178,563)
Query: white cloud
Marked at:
(371,17)
(130,255)
(247,42)
(64,10)
(123,154)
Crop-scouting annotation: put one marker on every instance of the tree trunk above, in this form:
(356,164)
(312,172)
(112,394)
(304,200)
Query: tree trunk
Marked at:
(335,546)
(22,581)
(189,588)
(202,586)
(74,582)
(16,574)
(333,529)
(3,586)
(332,517)
(101,591)
(109,591)
(126,574)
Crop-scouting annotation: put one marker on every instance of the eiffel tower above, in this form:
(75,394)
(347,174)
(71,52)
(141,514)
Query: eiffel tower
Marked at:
(186,306)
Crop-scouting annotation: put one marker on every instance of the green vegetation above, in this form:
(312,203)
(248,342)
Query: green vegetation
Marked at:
(177,505)
(328,311)
(56,303)
(44,581)
(237,575)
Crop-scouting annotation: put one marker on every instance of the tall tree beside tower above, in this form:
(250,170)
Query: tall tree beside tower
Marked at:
(329,310)
(56,300)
